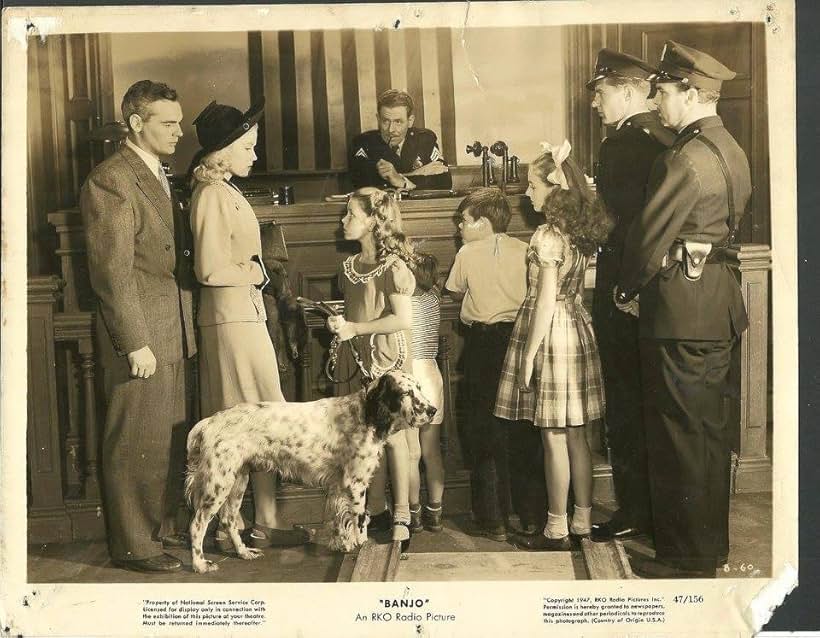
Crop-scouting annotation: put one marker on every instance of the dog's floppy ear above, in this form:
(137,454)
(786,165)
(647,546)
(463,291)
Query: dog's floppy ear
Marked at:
(382,404)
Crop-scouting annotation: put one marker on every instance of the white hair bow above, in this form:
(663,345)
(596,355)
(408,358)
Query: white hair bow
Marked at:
(559,154)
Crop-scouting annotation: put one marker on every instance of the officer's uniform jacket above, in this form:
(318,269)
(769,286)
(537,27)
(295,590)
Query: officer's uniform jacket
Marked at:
(688,200)
(420,147)
(624,162)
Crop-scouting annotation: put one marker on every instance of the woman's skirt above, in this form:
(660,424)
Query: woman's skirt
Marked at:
(237,364)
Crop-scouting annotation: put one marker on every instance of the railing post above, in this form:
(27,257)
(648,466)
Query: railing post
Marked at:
(45,469)
(753,468)
(90,476)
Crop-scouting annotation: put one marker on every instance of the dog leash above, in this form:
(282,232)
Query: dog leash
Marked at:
(333,354)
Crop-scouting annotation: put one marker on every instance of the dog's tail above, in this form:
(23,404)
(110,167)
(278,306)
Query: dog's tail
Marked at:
(193,482)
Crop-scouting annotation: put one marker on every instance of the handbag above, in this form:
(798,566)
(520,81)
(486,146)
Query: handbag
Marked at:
(274,246)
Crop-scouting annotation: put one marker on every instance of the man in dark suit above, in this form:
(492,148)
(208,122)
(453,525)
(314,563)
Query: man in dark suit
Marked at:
(398,155)
(621,89)
(139,258)
(691,314)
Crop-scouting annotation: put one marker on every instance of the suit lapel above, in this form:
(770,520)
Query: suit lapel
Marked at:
(149,184)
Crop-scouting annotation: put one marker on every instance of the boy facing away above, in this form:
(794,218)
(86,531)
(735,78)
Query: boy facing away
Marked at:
(489,275)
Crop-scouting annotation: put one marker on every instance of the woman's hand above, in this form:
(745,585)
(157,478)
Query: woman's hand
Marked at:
(525,375)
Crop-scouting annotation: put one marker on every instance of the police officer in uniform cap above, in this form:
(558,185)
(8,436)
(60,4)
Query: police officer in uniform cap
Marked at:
(621,86)
(691,314)
(397,154)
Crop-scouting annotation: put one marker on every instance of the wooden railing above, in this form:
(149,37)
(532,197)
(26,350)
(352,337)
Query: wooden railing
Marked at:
(65,403)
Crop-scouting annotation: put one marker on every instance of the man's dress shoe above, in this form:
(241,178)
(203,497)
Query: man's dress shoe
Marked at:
(154,564)
(540,543)
(613,530)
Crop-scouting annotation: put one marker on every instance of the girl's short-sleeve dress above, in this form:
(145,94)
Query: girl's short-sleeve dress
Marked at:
(567,382)
(367,289)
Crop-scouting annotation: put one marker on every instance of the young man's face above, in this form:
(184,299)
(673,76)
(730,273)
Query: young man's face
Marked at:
(674,104)
(394,123)
(160,131)
(610,102)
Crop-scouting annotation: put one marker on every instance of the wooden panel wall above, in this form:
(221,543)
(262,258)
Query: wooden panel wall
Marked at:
(69,88)
(320,89)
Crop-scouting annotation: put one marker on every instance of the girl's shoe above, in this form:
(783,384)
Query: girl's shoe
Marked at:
(431,519)
(262,537)
(415,519)
(402,533)
(540,543)
(381,522)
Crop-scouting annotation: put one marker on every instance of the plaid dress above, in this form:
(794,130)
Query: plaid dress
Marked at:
(567,380)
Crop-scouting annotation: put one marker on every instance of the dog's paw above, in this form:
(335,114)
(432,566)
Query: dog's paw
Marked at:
(336,544)
(205,566)
(346,546)
(250,553)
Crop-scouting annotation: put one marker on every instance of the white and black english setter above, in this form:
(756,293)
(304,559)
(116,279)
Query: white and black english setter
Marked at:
(333,443)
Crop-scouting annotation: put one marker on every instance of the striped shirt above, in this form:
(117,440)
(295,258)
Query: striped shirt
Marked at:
(426,320)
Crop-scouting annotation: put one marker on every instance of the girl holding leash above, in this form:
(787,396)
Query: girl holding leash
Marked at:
(377,284)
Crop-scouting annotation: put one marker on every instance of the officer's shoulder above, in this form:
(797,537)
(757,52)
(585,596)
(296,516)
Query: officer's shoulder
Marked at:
(649,125)
(681,157)
(366,136)
(422,133)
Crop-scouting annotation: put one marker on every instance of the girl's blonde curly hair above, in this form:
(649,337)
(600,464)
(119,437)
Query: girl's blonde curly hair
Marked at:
(388,233)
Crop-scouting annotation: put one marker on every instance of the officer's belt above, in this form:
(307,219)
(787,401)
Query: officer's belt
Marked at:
(677,253)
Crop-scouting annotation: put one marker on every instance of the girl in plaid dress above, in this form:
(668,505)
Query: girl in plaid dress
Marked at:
(552,373)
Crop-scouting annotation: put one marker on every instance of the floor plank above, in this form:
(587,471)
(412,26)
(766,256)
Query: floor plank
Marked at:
(429,557)
(484,566)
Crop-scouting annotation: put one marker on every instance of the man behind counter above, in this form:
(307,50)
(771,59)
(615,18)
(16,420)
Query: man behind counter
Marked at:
(398,155)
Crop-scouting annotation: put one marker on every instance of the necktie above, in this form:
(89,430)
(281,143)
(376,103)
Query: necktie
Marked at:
(164,181)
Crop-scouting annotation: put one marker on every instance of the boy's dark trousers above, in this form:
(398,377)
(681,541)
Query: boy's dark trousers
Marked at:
(506,456)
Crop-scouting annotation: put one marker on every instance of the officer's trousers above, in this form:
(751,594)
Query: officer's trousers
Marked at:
(688,447)
(618,345)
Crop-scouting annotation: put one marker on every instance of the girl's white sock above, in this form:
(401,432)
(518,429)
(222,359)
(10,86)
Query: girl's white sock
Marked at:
(556,526)
(581,520)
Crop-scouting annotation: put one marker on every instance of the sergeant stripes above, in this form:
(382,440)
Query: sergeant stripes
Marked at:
(320,89)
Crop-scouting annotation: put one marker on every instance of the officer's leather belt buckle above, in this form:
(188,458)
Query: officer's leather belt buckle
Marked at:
(693,255)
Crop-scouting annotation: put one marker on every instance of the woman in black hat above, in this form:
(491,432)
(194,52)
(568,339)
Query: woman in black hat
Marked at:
(237,362)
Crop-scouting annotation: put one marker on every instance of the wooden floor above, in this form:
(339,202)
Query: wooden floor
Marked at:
(448,555)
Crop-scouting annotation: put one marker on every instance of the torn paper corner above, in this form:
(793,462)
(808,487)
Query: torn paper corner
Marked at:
(769,598)
(20,29)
